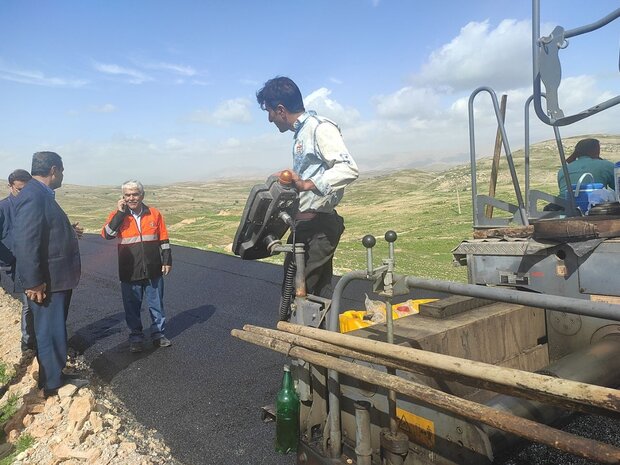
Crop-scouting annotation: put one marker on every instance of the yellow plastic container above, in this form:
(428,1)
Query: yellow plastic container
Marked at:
(354,319)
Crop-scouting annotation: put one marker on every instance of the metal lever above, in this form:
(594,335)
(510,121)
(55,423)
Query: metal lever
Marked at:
(369,242)
(390,237)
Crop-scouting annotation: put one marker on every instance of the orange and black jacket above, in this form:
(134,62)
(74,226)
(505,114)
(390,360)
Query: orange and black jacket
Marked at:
(141,251)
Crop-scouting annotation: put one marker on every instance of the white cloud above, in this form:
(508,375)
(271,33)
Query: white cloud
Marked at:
(182,70)
(228,112)
(37,78)
(320,101)
(133,76)
(233,111)
(479,55)
(407,102)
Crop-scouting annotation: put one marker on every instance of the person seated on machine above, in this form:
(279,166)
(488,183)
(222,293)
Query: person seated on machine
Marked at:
(586,158)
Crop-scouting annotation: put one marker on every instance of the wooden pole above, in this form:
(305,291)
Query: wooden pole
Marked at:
(561,392)
(528,429)
(522,390)
(496,154)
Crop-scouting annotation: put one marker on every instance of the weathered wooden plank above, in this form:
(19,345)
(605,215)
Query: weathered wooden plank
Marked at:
(533,431)
(467,370)
(451,306)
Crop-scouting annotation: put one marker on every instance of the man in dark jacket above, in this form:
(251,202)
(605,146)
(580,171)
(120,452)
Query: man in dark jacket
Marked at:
(48,265)
(144,257)
(17,181)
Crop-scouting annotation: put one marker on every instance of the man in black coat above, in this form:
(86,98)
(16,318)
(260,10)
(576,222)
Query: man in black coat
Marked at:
(17,181)
(45,246)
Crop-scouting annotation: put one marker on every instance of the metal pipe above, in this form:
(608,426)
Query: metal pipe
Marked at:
(369,265)
(542,115)
(363,447)
(526,150)
(592,26)
(391,398)
(558,138)
(536,44)
(472,162)
(388,283)
(549,302)
(569,185)
(333,382)
(535,36)
(472,151)
(300,273)
(526,147)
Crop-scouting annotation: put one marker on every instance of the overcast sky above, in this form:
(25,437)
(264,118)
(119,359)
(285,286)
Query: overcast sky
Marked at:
(164,91)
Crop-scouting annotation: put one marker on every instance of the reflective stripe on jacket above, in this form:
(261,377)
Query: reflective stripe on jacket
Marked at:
(141,251)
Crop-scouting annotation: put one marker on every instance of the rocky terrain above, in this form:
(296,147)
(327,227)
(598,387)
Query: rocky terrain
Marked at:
(86,425)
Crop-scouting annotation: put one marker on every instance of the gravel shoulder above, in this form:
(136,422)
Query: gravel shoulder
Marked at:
(86,425)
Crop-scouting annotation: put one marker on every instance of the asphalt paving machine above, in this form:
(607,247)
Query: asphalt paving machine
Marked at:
(533,336)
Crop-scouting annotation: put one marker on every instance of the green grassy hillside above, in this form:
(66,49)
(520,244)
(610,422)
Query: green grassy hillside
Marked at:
(431,212)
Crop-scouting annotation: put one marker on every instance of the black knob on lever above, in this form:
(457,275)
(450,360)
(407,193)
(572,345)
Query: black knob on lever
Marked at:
(391,236)
(369,241)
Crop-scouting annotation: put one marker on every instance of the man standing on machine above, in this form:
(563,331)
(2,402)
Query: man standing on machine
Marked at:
(322,168)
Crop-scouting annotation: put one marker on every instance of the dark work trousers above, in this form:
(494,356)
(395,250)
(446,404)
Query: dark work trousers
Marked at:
(51,332)
(320,235)
(28,337)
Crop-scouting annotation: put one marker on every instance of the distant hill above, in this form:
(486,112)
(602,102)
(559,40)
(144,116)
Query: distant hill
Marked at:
(430,211)
(544,165)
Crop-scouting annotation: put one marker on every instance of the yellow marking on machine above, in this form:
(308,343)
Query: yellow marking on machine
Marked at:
(418,429)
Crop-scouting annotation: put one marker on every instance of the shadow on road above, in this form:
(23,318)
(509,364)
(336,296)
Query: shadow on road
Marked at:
(88,335)
(114,360)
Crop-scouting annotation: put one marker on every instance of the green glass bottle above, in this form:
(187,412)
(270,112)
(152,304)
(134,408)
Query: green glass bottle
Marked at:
(287,415)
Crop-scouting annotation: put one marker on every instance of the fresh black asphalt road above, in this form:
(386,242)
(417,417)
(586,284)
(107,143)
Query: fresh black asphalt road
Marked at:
(204,393)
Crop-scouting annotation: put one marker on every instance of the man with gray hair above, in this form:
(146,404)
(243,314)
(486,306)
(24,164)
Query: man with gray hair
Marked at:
(144,257)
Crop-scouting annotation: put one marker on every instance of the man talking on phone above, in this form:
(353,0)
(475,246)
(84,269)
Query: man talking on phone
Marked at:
(144,258)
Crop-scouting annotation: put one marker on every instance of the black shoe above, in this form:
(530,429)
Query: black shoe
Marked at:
(50,393)
(162,342)
(135,347)
(6,449)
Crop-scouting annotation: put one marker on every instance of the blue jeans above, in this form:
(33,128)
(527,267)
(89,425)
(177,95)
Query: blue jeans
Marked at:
(133,293)
(51,334)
